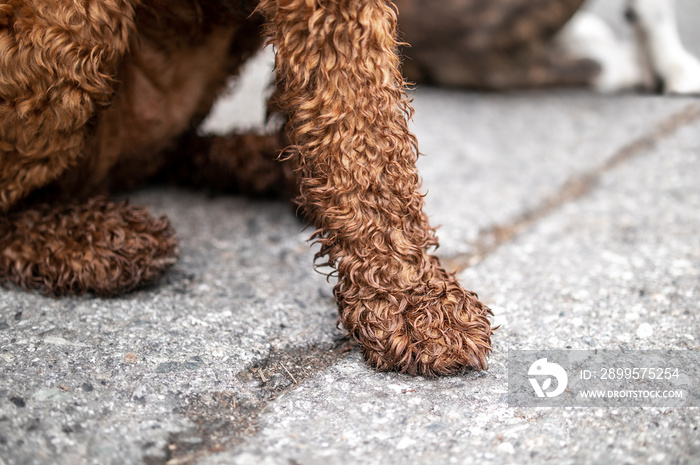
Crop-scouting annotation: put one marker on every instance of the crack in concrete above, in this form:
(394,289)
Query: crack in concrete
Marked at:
(491,239)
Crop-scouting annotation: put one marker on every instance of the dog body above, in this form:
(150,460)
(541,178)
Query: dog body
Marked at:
(99,94)
(490,44)
(173,59)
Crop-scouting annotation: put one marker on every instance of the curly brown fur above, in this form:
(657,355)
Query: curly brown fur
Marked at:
(338,66)
(490,44)
(100,246)
(246,163)
(57,60)
(106,100)
(90,92)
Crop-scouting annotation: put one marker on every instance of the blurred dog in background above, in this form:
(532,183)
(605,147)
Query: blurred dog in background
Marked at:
(506,44)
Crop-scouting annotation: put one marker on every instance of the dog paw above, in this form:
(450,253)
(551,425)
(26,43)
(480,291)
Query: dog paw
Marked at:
(660,40)
(439,330)
(682,77)
(98,246)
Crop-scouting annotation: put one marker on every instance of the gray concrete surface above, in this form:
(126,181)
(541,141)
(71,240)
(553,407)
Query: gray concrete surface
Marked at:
(577,213)
(616,269)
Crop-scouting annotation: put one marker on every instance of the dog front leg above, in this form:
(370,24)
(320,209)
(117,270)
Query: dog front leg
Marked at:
(338,66)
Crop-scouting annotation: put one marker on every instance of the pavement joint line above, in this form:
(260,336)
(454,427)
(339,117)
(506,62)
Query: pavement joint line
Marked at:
(493,238)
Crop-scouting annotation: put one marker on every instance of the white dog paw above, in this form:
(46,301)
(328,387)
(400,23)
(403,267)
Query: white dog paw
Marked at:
(682,76)
(655,22)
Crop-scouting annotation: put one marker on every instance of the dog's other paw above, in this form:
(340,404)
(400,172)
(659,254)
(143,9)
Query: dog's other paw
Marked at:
(659,39)
(683,76)
(99,246)
(438,330)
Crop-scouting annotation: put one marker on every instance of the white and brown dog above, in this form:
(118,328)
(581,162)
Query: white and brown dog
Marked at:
(504,44)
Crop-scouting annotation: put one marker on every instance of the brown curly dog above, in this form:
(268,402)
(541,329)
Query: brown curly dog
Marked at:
(96,95)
